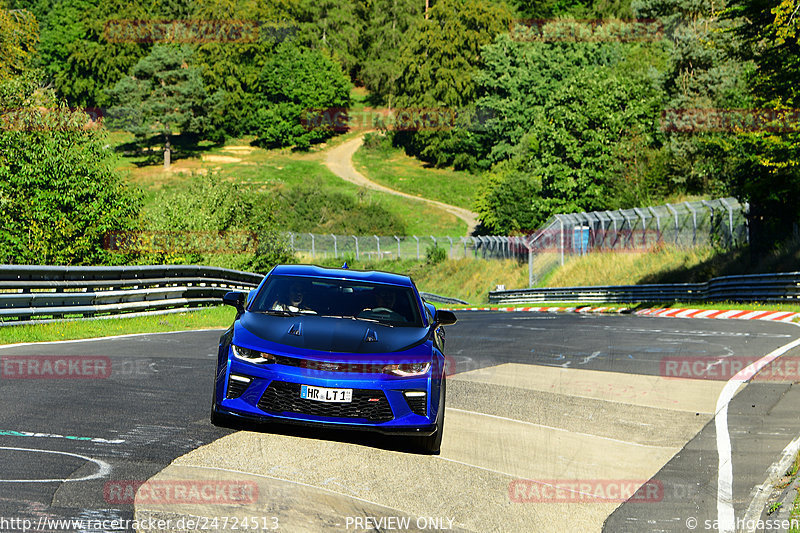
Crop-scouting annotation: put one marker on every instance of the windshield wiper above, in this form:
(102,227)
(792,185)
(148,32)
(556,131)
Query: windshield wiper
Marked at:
(276,312)
(374,320)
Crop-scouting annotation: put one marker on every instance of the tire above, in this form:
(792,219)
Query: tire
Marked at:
(432,444)
(220,420)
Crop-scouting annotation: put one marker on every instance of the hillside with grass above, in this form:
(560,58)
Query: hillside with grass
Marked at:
(668,264)
(304,195)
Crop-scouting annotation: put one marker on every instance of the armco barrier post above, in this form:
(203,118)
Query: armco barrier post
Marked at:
(335,251)
(313,252)
(378,244)
(398,245)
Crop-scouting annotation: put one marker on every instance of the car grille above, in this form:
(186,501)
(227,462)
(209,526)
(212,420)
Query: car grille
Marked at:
(418,404)
(283,397)
(236,388)
(324,366)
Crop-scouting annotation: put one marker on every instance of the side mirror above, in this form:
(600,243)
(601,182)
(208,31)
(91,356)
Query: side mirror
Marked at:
(445,318)
(235,299)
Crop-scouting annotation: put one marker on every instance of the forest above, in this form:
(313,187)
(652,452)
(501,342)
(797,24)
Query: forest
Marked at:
(558,105)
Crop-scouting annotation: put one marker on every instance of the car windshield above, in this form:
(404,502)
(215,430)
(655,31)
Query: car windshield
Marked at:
(376,302)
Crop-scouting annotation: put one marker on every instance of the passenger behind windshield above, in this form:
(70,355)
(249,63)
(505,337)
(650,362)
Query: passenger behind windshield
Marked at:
(293,299)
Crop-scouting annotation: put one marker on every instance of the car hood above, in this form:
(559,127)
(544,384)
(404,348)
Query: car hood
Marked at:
(324,334)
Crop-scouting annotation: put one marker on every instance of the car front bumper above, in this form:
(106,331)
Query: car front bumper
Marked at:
(379,403)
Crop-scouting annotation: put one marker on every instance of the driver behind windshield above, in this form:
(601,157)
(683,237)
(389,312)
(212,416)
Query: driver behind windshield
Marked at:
(384,299)
(385,305)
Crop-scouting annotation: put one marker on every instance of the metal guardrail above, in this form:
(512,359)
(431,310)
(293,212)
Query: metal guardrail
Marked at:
(783,287)
(32,293)
(430,297)
(35,294)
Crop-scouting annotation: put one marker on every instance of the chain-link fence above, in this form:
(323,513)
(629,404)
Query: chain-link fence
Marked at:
(316,246)
(720,222)
(714,222)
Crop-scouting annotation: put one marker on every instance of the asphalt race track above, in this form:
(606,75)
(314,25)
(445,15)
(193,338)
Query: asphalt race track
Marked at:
(555,422)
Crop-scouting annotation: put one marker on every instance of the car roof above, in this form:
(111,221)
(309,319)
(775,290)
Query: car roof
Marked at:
(374,276)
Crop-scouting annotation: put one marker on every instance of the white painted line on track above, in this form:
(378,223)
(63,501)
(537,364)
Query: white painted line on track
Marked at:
(725,513)
(763,491)
(111,337)
(571,432)
(103,468)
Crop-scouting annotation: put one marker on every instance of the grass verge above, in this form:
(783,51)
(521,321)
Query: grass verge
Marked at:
(211,317)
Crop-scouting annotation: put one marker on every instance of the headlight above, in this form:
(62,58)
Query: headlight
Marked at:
(407,370)
(252,356)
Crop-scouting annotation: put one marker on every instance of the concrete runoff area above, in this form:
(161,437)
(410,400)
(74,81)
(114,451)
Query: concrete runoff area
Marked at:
(552,421)
(474,481)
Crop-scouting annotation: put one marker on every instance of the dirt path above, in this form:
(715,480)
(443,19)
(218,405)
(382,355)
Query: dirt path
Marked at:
(340,161)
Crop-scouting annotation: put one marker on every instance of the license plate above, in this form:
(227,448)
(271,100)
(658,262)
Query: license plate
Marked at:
(323,394)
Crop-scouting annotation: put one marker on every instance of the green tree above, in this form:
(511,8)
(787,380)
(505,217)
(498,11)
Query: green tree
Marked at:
(59,193)
(574,127)
(19,32)
(232,70)
(99,58)
(164,94)
(703,73)
(766,170)
(295,82)
(386,25)
(437,67)
(442,53)
(331,26)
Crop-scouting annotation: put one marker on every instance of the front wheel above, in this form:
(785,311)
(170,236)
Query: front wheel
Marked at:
(432,444)
(221,420)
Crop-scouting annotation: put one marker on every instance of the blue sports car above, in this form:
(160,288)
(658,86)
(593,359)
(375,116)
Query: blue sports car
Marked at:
(335,347)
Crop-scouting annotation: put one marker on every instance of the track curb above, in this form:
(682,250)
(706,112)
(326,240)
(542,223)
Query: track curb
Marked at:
(660,312)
